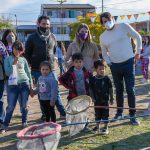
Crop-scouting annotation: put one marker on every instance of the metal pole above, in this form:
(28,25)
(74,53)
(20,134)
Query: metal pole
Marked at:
(16,23)
(61,19)
(102,6)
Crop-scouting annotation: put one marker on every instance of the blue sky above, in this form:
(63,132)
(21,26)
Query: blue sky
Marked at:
(28,10)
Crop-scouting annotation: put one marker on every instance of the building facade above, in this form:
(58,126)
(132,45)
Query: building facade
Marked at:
(61,15)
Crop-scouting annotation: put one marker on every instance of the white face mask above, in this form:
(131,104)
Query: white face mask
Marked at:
(109,24)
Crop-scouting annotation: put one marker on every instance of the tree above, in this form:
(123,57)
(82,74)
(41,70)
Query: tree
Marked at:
(96,28)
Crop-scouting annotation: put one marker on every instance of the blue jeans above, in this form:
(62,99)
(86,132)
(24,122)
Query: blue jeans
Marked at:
(58,103)
(60,62)
(2,112)
(14,92)
(124,72)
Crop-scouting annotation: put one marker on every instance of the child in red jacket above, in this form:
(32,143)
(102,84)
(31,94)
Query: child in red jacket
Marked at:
(76,79)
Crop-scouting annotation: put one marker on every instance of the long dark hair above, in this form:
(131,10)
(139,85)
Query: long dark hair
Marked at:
(5,35)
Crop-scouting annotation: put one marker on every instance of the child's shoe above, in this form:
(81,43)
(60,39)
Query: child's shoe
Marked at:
(96,128)
(24,125)
(3,129)
(104,131)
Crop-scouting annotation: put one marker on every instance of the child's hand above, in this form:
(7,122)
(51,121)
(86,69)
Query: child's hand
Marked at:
(32,93)
(52,103)
(15,60)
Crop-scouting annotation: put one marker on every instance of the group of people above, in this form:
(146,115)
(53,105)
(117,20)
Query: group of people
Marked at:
(81,59)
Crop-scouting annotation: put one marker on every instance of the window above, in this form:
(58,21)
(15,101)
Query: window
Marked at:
(49,13)
(71,14)
(61,30)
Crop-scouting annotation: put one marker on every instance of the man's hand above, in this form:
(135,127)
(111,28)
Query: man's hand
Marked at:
(136,58)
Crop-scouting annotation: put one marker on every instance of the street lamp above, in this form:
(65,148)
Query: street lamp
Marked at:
(61,12)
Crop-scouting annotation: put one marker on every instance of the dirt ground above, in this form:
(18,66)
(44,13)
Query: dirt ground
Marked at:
(8,140)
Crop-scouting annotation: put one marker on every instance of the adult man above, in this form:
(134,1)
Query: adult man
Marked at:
(118,53)
(39,47)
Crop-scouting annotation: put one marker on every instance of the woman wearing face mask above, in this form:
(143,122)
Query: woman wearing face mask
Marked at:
(117,51)
(9,37)
(83,43)
(145,59)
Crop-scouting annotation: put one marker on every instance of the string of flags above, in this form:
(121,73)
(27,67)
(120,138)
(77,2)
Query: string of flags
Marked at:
(93,14)
(129,16)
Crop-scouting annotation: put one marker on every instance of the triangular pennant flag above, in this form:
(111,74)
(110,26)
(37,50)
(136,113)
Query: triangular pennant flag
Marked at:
(115,17)
(122,17)
(142,14)
(136,16)
(149,12)
(129,16)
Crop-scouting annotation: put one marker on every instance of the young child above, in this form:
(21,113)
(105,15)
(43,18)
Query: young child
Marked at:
(145,54)
(47,89)
(76,79)
(101,92)
(21,88)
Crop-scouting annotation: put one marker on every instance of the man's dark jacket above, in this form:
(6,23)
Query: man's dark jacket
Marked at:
(38,50)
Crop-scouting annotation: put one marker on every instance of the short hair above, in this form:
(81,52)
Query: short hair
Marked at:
(105,15)
(18,46)
(77,56)
(46,63)
(99,62)
(43,17)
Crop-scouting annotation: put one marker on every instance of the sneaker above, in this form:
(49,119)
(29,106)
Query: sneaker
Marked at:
(96,128)
(134,121)
(3,129)
(118,117)
(24,125)
(85,130)
(43,118)
(62,117)
(144,81)
(104,131)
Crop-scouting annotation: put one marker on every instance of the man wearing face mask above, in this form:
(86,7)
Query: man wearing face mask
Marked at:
(117,51)
(40,47)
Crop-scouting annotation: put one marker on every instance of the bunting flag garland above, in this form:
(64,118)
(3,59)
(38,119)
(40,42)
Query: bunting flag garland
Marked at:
(142,14)
(129,16)
(93,14)
(115,17)
(122,17)
(136,16)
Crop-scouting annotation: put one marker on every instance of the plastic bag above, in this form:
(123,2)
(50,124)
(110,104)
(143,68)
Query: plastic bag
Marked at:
(13,77)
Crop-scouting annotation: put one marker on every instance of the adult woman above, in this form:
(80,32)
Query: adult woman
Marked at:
(3,54)
(9,37)
(83,43)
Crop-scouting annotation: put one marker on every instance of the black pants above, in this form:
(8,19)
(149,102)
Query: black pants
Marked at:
(124,72)
(101,113)
(48,110)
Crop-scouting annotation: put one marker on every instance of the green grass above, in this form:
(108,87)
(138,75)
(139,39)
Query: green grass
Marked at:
(122,136)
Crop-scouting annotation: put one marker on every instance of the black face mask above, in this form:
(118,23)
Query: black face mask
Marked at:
(43,29)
